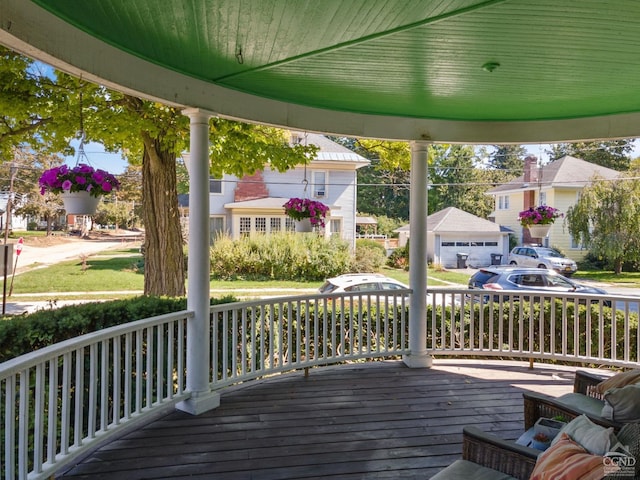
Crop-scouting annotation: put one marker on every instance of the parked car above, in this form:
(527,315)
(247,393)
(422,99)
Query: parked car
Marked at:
(514,279)
(360,282)
(542,257)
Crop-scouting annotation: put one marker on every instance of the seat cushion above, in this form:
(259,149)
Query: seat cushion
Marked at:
(464,469)
(566,460)
(583,403)
(622,404)
(595,439)
(619,380)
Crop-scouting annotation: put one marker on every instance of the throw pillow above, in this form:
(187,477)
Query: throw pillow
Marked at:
(595,439)
(566,460)
(622,404)
(619,380)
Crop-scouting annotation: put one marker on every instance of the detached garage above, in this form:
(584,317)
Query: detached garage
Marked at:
(453,231)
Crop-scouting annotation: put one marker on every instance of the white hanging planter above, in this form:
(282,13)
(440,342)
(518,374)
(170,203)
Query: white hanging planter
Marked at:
(539,231)
(79,203)
(304,225)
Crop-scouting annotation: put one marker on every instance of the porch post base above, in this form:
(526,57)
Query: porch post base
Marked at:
(422,360)
(200,404)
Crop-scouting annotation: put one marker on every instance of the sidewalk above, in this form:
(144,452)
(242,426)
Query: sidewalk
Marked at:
(33,257)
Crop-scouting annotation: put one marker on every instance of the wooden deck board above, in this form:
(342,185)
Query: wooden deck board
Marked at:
(379,420)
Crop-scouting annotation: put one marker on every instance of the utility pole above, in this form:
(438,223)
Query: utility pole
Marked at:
(14,170)
(7,248)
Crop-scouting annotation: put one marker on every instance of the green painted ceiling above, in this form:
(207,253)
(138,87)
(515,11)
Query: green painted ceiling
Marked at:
(555,59)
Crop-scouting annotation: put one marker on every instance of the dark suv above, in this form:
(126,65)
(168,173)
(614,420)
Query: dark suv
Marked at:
(513,278)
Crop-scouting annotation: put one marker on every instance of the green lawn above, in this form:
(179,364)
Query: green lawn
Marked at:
(121,271)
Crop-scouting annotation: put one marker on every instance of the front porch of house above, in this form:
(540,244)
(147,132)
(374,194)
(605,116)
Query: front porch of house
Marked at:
(373,420)
(361,400)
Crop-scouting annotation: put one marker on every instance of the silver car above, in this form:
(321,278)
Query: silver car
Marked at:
(542,257)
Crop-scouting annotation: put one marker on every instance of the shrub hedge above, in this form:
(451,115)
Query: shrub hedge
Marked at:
(280,256)
(26,333)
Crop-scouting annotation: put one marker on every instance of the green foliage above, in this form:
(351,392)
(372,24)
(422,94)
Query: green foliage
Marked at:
(24,334)
(508,158)
(370,256)
(282,256)
(613,154)
(456,182)
(386,225)
(605,219)
(399,258)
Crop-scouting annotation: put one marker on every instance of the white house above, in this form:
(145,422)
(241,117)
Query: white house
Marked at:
(453,235)
(254,203)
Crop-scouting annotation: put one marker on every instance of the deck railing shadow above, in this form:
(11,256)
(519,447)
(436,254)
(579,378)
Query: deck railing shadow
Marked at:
(60,401)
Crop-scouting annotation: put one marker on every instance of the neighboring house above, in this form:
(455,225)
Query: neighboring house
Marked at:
(254,204)
(453,231)
(557,184)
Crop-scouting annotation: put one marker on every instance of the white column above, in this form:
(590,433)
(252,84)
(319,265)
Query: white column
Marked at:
(198,331)
(418,356)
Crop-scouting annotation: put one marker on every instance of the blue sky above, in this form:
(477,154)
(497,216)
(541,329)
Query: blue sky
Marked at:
(98,158)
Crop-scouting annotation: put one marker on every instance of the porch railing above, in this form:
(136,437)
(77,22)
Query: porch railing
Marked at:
(261,337)
(59,401)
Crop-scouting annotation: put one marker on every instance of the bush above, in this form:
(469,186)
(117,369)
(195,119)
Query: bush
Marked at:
(399,258)
(26,333)
(370,256)
(279,256)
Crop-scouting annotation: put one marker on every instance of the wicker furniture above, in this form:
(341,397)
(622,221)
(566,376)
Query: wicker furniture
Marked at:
(583,400)
(487,457)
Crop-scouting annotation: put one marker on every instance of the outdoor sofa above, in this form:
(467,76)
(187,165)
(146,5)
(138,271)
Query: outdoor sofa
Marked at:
(488,457)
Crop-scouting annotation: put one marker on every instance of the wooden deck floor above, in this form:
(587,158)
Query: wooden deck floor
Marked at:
(379,420)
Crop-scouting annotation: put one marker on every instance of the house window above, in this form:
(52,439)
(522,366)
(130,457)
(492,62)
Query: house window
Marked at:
(543,198)
(216,228)
(245,226)
(503,202)
(275,223)
(290,224)
(574,243)
(261,225)
(335,226)
(319,184)
(215,186)
(490,244)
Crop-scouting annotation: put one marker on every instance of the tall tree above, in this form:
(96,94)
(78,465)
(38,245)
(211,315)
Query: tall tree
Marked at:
(455,181)
(605,219)
(615,154)
(150,134)
(509,158)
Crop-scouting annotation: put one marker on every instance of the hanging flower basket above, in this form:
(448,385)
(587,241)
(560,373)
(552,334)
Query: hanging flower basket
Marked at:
(79,203)
(305,209)
(539,231)
(539,220)
(304,225)
(80,187)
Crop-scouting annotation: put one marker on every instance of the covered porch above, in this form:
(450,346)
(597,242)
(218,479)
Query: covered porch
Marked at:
(373,420)
(489,72)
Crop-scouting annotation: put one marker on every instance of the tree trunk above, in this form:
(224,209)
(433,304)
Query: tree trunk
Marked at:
(617,265)
(164,270)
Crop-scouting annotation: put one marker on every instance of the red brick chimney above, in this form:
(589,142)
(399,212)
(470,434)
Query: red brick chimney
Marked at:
(530,169)
(251,187)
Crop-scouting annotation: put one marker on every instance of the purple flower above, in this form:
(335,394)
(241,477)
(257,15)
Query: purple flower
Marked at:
(298,209)
(77,179)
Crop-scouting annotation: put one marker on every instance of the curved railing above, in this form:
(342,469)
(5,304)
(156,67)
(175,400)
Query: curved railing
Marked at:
(261,337)
(59,401)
